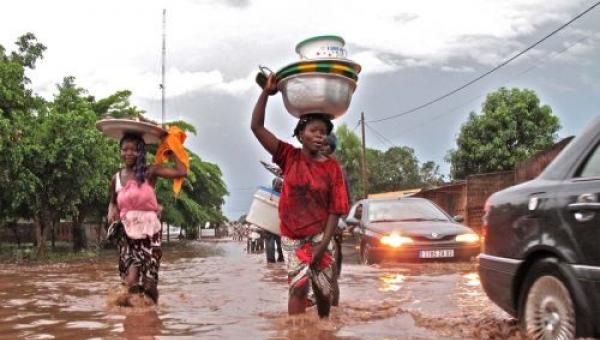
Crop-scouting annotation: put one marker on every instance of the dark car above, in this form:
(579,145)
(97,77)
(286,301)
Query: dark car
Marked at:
(541,251)
(409,228)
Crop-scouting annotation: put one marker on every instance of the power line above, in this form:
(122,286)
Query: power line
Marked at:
(536,65)
(380,135)
(504,63)
(381,140)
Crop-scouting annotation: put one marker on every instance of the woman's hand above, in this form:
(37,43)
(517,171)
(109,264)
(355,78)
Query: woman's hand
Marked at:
(271,85)
(113,214)
(150,171)
(317,254)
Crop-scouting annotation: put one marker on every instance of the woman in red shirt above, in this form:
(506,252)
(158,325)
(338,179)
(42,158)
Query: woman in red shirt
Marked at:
(312,200)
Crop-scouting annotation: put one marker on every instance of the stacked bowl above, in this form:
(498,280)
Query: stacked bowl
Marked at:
(323,81)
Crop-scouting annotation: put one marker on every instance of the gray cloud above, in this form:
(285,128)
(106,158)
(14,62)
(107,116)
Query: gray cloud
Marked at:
(231,3)
(404,18)
(238,3)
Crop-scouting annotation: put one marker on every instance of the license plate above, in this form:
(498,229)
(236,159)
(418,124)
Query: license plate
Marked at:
(431,254)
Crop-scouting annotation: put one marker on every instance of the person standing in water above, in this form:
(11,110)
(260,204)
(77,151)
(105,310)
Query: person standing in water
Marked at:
(329,151)
(312,200)
(133,202)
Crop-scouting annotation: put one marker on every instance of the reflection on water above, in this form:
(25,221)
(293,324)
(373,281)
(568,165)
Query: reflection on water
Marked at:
(472,279)
(142,325)
(216,290)
(392,282)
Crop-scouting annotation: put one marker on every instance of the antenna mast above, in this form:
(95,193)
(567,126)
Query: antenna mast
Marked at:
(164,49)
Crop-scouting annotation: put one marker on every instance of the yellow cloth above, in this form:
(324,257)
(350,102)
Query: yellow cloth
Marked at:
(174,142)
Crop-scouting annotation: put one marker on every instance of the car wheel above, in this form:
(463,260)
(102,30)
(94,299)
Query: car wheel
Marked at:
(547,307)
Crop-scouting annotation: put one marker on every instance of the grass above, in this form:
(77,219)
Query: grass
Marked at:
(62,252)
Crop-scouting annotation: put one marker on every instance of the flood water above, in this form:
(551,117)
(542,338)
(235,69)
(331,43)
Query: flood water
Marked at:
(215,290)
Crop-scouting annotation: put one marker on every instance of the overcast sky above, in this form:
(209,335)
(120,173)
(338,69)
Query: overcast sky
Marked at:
(410,51)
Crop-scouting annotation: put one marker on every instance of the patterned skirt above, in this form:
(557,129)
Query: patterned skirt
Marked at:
(321,279)
(145,254)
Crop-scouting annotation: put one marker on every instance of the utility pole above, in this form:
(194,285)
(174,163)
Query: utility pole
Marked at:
(364,156)
(164,52)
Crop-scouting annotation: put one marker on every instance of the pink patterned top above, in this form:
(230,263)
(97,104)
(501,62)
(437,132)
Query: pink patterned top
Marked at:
(138,208)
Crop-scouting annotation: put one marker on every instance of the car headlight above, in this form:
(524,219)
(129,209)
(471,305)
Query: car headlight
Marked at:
(467,238)
(395,240)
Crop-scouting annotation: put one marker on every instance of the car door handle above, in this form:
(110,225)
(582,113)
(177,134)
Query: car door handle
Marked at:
(587,206)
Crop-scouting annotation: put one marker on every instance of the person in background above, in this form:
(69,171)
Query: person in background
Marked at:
(271,239)
(312,200)
(329,149)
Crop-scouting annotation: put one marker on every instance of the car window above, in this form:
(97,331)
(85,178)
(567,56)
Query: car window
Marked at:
(591,168)
(404,210)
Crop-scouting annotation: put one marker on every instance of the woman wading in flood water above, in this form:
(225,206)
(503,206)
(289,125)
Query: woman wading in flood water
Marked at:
(133,202)
(312,200)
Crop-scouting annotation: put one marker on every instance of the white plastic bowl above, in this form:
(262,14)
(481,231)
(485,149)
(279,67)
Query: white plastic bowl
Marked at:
(317,93)
(322,47)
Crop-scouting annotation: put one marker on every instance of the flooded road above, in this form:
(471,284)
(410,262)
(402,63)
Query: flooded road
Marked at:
(214,290)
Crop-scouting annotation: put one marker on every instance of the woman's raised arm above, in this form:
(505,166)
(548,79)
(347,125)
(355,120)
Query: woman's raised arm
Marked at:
(264,136)
(160,171)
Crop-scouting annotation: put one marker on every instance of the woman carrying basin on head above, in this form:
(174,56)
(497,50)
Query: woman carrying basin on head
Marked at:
(133,202)
(312,199)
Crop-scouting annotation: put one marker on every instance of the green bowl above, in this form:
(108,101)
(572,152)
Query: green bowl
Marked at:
(320,66)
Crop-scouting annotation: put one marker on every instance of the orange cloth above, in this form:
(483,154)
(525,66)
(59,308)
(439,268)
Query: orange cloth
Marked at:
(174,142)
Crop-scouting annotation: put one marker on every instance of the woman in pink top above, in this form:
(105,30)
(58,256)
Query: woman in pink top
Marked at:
(133,202)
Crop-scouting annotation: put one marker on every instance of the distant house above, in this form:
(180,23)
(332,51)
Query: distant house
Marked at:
(467,197)
(395,194)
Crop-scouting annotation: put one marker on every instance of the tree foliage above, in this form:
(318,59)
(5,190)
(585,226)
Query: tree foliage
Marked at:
(396,168)
(511,127)
(55,165)
(200,199)
(348,153)
(15,97)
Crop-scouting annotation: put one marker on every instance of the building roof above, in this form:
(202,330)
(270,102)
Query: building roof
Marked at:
(395,194)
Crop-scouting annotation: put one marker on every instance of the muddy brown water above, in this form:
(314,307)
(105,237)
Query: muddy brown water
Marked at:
(214,290)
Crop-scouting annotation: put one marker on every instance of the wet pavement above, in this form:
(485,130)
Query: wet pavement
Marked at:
(214,290)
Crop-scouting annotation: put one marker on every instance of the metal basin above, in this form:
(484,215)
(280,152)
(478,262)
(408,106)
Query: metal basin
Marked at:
(317,93)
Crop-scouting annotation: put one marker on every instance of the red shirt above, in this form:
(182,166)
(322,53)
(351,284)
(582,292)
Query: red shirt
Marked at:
(311,191)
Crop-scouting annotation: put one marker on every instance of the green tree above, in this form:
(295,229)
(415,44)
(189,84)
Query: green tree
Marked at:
(395,169)
(348,153)
(430,175)
(511,127)
(70,161)
(17,105)
(15,97)
(200,199)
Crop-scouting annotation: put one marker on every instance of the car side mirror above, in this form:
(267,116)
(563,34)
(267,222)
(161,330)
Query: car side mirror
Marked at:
(352,221)
(459,218)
